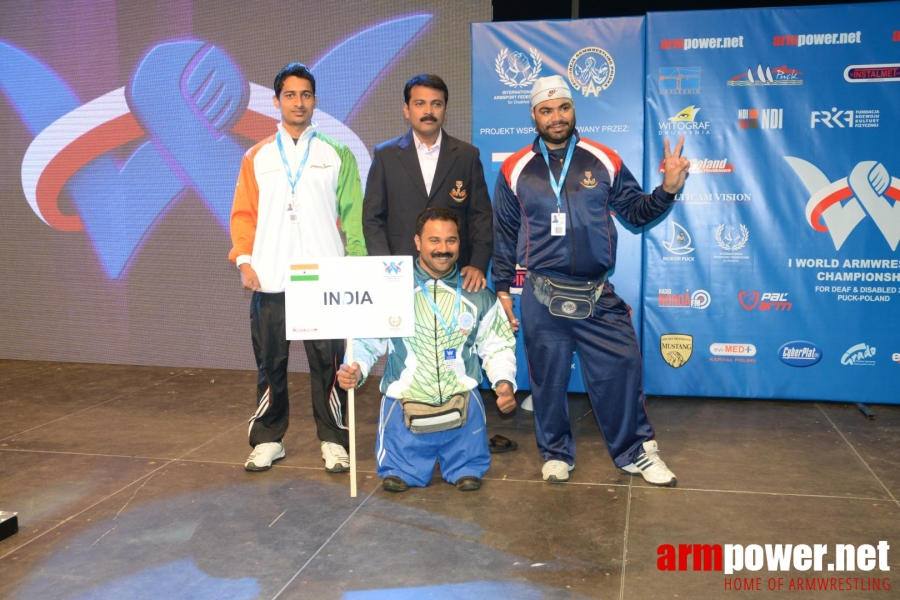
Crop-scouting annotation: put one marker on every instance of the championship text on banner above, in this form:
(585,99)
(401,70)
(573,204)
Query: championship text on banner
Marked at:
(776,274)
(349,297)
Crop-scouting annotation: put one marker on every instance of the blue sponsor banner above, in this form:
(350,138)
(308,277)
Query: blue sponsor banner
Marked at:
(603,61)
(777,273)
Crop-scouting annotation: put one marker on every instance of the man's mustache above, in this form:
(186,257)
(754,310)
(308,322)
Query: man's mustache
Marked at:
(429,118)
(441,255)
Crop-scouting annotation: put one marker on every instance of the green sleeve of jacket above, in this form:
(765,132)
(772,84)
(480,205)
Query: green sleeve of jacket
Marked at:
(349,200)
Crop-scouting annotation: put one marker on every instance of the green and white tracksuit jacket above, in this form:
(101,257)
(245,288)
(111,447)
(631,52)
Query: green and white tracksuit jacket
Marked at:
(435,363)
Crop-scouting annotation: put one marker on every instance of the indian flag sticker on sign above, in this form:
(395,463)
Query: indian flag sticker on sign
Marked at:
(304,272)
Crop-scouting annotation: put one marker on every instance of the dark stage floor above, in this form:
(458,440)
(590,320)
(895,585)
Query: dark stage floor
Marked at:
(129,483)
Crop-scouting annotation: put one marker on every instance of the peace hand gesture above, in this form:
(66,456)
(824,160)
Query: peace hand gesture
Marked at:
(675,167)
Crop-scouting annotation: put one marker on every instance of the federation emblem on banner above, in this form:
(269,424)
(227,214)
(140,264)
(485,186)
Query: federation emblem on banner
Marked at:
(516,70)
(676,348)
(591,70)
(731,238)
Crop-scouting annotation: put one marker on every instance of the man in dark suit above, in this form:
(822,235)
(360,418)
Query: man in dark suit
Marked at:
(423,168)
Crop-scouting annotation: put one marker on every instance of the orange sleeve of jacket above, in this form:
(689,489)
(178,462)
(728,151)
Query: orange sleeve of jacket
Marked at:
(245,208)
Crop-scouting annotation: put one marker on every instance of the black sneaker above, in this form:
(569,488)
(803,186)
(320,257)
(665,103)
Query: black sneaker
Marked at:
(392,483)
(469,483)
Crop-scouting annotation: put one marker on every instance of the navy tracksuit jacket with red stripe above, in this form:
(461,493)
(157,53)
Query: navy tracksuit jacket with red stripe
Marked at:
(596,184)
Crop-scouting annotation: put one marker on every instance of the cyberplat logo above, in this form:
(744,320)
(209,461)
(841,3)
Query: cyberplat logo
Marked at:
(189,111)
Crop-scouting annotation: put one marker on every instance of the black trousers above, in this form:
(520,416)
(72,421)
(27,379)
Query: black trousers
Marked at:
(270,347)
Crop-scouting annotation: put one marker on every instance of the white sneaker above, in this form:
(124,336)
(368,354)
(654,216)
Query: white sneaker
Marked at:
(652,467)
(264,455)
(335,457)
(556,471)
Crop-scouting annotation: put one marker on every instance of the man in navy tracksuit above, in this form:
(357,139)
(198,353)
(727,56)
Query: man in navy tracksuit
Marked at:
(552,206)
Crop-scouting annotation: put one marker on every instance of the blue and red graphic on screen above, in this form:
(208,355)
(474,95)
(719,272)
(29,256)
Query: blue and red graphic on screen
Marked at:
(190,112)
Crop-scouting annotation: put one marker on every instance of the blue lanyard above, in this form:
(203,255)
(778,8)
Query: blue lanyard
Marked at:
(437,311)
(293,179)
(558,185)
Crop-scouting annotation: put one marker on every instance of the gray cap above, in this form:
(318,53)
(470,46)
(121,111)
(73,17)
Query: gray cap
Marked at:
(549,88)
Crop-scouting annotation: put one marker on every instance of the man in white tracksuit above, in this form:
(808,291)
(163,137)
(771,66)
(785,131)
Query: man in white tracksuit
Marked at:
(292,189)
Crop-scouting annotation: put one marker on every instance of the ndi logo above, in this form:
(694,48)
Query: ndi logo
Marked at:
(799,354)
(761,118)
(859,355)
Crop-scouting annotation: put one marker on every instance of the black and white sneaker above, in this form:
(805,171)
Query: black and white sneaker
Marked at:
(652,467)
(264,455)
(336,458)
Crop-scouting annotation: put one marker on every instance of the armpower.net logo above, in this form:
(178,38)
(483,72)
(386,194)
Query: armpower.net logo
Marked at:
(743,565)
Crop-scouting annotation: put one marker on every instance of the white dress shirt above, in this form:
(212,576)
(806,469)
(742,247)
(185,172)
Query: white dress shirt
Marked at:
(428,158)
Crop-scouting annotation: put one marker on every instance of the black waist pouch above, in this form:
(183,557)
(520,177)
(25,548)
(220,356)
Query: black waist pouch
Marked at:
(569,299)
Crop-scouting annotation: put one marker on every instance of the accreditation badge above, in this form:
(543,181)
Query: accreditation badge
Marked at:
(558,224)
(450,359)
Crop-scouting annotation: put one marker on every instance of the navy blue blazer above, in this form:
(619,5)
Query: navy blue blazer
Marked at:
(395,196)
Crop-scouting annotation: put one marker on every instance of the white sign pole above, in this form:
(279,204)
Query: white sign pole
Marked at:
(351,418)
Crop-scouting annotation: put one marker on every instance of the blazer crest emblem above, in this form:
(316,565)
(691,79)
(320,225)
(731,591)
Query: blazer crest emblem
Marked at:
(458,193)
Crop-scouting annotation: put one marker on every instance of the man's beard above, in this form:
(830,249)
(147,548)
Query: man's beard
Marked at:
(560,138)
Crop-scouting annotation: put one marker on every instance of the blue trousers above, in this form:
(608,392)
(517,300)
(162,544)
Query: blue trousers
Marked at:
(611,365)
(411,456)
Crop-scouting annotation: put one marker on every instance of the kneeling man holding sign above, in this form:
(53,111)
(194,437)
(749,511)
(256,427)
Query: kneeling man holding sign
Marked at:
(431,410)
